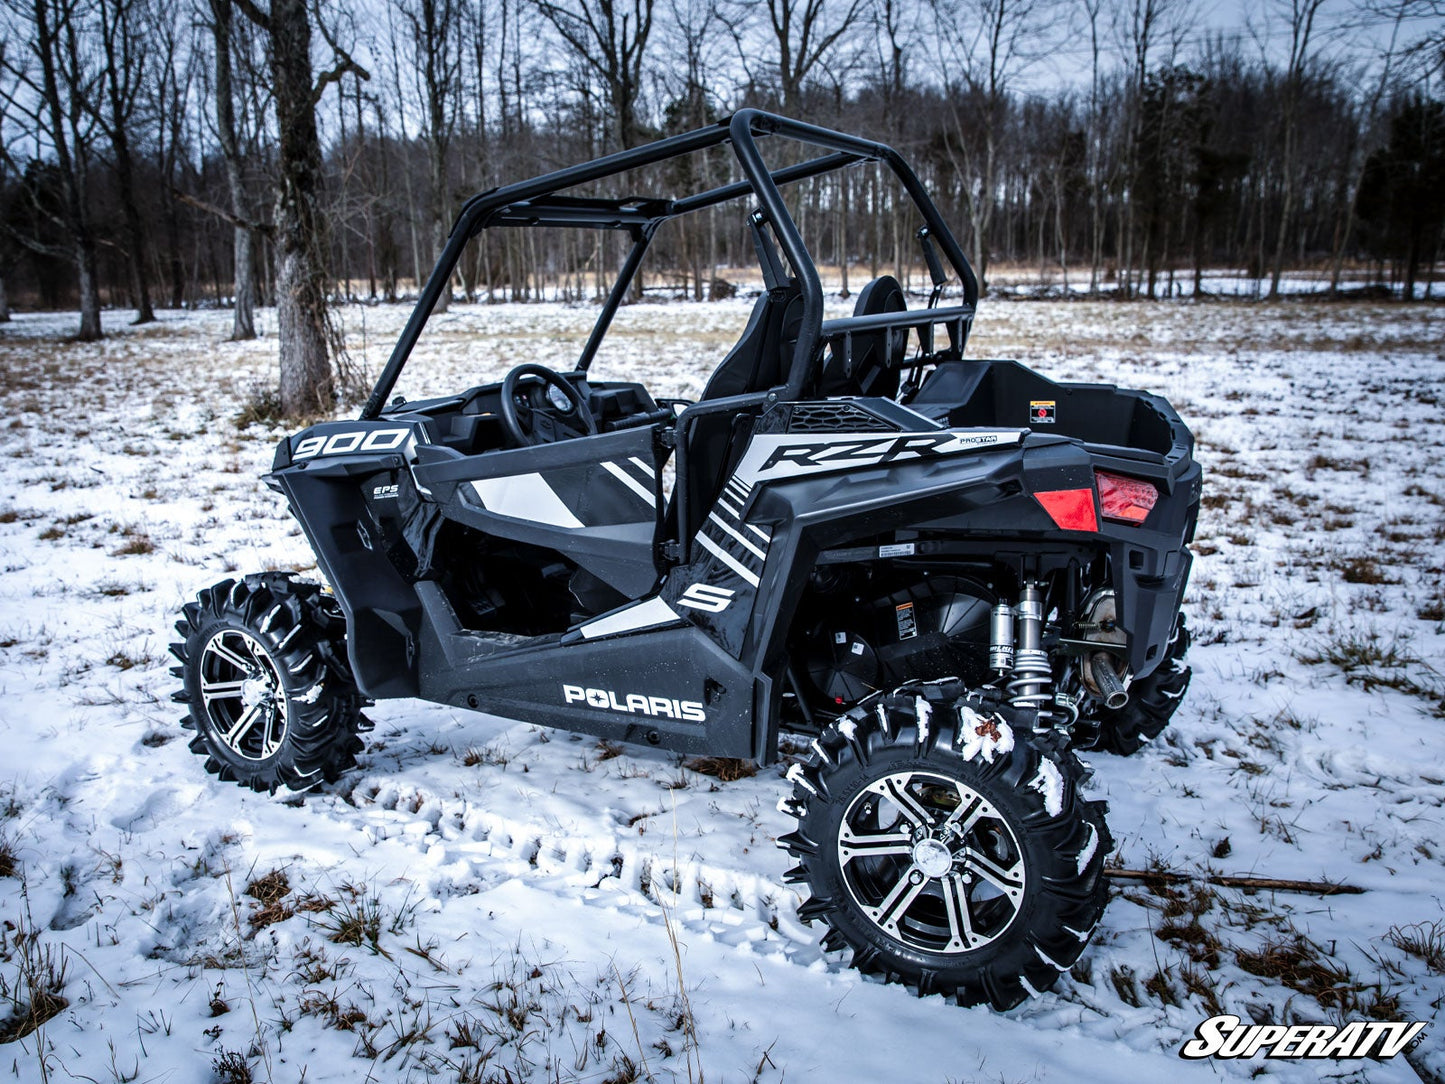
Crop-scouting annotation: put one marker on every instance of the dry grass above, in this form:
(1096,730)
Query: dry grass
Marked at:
(270,891)
(724,769)
(1425,940)
(1298,963)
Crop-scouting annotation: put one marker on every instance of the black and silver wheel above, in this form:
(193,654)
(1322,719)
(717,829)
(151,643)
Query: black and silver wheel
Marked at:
(263,662)
(947,850)
(1153,700)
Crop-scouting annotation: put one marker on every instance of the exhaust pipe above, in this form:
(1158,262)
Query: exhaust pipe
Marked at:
(1107,678)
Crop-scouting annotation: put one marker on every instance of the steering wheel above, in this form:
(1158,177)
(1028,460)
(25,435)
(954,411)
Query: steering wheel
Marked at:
(527,425)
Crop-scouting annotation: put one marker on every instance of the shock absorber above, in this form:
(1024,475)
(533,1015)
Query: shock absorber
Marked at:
(1031,685)
(1001,638)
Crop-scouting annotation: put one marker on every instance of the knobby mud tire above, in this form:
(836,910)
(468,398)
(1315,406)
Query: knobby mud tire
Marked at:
(299,634)
(1061,840)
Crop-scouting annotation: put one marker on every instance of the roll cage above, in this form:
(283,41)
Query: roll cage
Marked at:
(537,202)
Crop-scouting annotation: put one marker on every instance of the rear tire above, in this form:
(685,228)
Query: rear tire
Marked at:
(1152,701)
(265,678)
(965,864)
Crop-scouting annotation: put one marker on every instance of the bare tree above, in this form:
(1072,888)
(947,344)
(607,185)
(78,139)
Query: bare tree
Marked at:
(56,98)
(307,381)
(1300,16)
(125,64)
(610,38)
(1000,40)
(1396,11)
(435,40)
(801,36)
(1148,25)
(243,321)
(1094,133)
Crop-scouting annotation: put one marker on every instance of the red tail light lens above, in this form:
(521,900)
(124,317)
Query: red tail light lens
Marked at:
(1070,509)
(1125,500)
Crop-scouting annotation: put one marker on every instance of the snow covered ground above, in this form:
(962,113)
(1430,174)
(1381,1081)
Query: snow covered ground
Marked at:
(487,900)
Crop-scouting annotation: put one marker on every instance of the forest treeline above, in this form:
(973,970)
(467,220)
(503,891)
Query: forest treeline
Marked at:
(157,152)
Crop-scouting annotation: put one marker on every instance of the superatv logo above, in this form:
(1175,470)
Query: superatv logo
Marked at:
(657,707)
(1226,1037)
(784,457)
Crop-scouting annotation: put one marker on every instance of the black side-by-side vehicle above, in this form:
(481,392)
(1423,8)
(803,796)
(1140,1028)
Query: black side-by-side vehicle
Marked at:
(948,571)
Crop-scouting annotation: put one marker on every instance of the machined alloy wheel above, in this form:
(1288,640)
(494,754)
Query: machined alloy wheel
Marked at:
(949,851)
(931,862)
(266,683)
(242,693)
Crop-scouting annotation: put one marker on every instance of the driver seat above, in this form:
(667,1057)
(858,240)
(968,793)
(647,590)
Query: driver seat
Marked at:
(758,361)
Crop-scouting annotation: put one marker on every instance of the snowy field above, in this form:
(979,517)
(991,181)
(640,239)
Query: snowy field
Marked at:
(489,901)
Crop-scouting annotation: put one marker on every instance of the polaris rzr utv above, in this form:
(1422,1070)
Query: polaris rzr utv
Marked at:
(945,571)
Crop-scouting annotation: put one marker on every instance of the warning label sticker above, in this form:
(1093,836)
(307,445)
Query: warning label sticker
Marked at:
(907,623)
(1041,411)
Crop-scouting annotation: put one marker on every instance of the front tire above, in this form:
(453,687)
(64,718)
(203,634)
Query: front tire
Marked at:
(265,678)
(950,852)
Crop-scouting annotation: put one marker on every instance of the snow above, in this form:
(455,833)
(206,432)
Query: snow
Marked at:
(983,735)
(1049,782)
(524,892)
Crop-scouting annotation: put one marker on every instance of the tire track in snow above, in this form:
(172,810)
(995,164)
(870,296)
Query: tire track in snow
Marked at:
(470,848)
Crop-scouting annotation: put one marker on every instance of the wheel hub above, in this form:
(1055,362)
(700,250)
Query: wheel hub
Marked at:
(932,857)
(255,691)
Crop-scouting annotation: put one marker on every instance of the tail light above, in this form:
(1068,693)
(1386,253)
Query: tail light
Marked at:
(1070,509)
(1125,500)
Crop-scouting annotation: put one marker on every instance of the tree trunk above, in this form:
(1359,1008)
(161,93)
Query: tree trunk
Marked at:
(89,288)
(306,379)
(70,160)
(120,62)
(134,232)
(4,302)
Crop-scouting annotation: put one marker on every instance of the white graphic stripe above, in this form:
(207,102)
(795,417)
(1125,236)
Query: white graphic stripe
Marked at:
(759,532)
(643,615)
(525,496)
(727,558)
(723,504)
(645,468)
(751,547)
(627,480)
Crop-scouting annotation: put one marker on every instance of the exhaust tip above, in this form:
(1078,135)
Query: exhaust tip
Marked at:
(1111,688)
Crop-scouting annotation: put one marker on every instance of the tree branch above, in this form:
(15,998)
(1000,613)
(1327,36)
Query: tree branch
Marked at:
(221,213)
(255,14)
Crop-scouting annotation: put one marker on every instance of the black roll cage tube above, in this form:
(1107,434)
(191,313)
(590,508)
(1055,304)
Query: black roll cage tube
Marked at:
(535,203)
